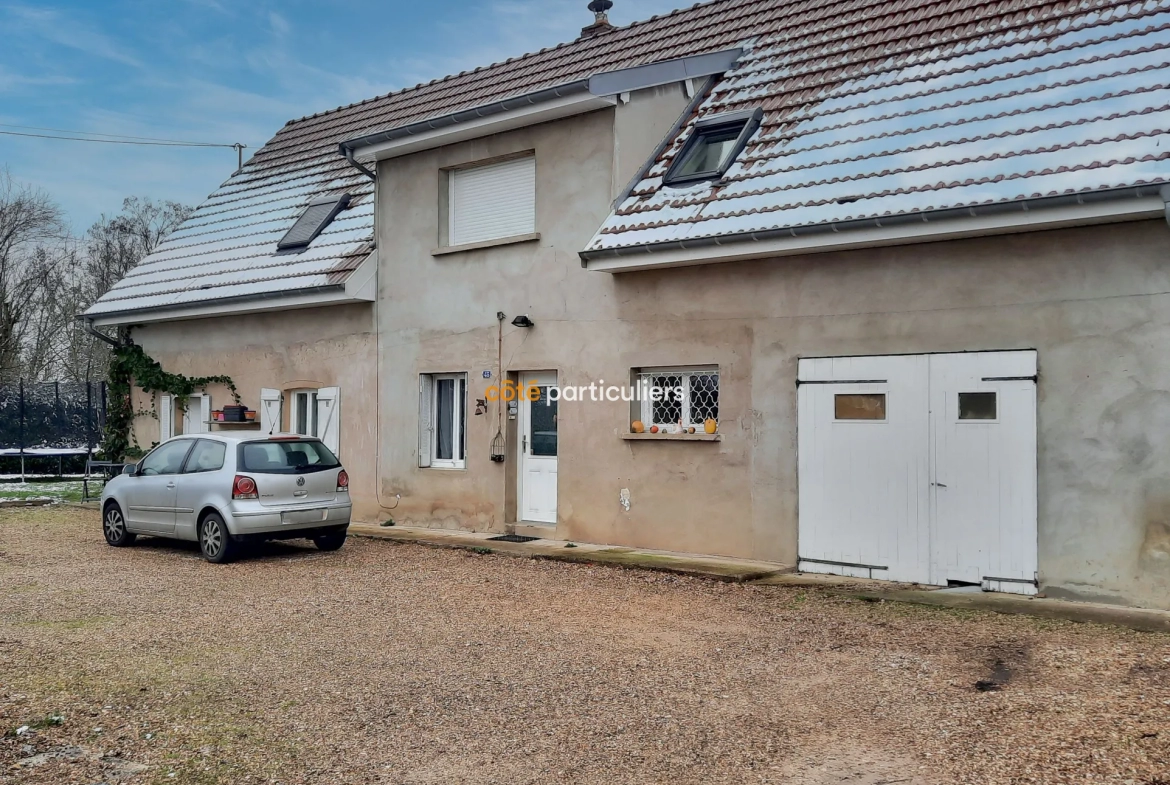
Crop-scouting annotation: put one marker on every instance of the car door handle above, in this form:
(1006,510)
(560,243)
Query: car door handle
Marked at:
(938,485)
(170,485)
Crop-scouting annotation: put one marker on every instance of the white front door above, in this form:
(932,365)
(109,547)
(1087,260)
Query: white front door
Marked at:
(197,415)
(538,451)
(920,468)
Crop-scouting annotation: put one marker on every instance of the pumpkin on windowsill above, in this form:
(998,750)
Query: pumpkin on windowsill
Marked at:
(637,426)
(710,426)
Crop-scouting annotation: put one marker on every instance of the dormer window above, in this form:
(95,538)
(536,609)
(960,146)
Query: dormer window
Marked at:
(713,147)
(318,215)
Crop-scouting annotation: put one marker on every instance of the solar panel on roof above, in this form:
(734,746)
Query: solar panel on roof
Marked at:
(319,214)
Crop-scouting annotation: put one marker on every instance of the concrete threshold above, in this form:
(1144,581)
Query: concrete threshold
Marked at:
(715,567)
(761,573)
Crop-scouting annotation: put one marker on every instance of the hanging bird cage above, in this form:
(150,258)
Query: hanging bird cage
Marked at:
(498,446)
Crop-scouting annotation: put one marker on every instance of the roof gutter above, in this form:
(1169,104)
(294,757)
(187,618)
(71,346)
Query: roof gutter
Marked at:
(550,103)
(87,325)
(176,311)
(579,87)
(1105,206)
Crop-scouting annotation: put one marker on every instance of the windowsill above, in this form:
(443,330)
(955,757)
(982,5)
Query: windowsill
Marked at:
(672,437)
(445,468)
(516,238)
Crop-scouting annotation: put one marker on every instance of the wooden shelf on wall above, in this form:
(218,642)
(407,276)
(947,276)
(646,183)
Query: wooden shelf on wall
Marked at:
(673,437)
(237,426)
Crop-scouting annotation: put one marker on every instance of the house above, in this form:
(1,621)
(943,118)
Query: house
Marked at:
(894,273)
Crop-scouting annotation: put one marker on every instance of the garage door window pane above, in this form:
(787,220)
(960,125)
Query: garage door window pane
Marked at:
(860,406)
(977,406)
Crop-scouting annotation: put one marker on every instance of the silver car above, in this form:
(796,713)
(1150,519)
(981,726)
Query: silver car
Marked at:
(221,490)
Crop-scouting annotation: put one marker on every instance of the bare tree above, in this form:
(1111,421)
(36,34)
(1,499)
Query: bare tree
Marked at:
(47,279)
(110,250)
(115,246)
(29,222)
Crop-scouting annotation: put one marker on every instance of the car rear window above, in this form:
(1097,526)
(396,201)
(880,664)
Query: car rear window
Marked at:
(286,457)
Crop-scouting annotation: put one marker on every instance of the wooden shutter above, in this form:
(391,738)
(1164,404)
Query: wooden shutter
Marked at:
(270,401)
(493,201)
(426,420)
(329,418)
(166,417)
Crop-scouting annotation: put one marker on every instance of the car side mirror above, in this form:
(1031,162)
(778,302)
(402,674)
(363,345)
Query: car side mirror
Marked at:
(131,470)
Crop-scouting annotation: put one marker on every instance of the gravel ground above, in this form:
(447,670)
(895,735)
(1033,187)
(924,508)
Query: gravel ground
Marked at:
(405,664)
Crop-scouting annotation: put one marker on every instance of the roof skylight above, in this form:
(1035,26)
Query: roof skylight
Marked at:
(713,147)
(318,215)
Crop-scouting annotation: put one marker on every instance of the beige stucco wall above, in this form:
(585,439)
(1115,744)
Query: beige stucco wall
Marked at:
(1091,300)
(304,348)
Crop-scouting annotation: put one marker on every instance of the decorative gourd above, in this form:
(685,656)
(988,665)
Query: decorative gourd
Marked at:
(691,429)
(637,426)
(653,429)
(710,426)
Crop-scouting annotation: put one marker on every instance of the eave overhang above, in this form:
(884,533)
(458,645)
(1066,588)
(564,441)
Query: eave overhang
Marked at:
(554,103)
(360,286)
(1053,212)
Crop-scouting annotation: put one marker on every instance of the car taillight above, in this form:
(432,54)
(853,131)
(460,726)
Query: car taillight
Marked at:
(244,488)
(342,482)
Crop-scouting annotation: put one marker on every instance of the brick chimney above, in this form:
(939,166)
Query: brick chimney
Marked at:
(601,22)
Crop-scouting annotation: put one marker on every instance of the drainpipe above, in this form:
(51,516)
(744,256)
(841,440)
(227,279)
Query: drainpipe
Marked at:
(356,165)
(87,325)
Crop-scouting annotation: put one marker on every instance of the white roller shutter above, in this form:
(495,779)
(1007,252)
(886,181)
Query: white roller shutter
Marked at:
(329,418)
(493,201)
(166,417)
(270,401)
(426,387)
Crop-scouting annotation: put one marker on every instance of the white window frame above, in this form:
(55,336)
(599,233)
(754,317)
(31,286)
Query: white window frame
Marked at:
(453,239)
(429,410)
(295,409)
(686,372)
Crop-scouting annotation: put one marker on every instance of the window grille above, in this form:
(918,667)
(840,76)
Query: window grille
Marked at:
(679,397)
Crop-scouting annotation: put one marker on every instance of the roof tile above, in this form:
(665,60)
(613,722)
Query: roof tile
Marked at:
(920,105)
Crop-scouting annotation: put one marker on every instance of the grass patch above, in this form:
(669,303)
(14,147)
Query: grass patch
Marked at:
(71,624)
(61,491)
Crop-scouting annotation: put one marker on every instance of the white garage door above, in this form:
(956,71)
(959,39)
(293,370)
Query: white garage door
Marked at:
(920,468)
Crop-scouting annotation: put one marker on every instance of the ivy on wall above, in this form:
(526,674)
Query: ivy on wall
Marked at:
(130,366)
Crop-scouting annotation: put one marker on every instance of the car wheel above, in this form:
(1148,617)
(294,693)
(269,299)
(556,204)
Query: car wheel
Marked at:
(215,541)
(331,541)
(114,527)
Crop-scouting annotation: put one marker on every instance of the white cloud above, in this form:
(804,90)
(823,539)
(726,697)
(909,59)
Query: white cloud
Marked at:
(67,31)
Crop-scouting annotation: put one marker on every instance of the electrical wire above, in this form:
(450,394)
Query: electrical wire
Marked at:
(84,136)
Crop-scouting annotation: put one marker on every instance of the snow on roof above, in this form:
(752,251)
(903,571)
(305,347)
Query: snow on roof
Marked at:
(875,109)
(227,249)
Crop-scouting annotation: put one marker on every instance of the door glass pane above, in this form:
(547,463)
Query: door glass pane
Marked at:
(302,425)
(444,419)
(860,406)
(544,425)
(977,406)
(313,414)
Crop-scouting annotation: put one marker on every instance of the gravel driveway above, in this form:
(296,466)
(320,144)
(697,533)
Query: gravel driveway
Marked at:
(404,664)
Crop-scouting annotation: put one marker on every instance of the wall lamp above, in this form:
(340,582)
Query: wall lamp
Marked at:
(523,321)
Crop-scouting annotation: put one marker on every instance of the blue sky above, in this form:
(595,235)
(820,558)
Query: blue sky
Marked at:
(229,71)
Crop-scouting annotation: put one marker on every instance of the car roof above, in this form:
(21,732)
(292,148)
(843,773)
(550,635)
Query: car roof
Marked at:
(233,438)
